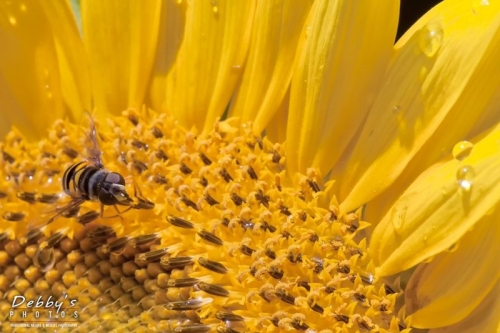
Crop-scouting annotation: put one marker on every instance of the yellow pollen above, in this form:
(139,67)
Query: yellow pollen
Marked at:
(218,238)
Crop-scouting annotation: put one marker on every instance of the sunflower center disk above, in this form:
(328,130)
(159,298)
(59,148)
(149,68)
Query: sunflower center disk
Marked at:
(228,245)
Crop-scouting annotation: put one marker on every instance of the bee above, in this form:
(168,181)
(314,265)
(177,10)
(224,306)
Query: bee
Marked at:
(89,180)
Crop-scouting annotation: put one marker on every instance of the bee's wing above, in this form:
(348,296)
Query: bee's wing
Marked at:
(92,152)
(75,202)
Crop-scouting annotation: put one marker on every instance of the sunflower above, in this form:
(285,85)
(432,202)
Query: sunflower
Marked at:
(289,168)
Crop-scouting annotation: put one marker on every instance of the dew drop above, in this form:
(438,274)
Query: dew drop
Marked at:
(430,38)
(399,215)
(479,5)
(22,7)
(308,30)
(215,8)
(368,278)
(12,20)
(462,149)
(465,177)
(396,109)
(179,2)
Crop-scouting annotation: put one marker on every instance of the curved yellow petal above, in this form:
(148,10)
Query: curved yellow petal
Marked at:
(120,37)
(443,77)
(439,208)
(275,34)
(171,32)
(484,318)
(449,288)
(30,88)
(276,131)
(345,48)
(73,66)
(209,61)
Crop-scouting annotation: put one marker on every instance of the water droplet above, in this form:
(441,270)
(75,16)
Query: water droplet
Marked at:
(368,278)
(308,30)
(479,5)
(215,9)
(399,215)
(465,177)
(12,20)
(396,109)
(430,38)
(462,149)
(179,2)
(22,7)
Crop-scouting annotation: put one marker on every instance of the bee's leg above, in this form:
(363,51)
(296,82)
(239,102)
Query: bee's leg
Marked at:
(124,211)
(119,214)
(129,179)
(110,217)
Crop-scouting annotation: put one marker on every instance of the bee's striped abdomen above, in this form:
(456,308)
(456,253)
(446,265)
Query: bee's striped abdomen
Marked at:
(83,179)
(69,183)
(90,181)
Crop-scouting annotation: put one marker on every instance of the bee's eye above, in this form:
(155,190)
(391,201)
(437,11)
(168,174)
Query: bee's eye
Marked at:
(115,178)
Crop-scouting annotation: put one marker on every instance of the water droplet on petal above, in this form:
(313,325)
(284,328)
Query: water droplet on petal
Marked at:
(368,278)
(22,7)
(179,2)
(479,5)
(396,109)
(308,30)
(12,20)
(465,177)
(399,215)
(430,38)
(462,149)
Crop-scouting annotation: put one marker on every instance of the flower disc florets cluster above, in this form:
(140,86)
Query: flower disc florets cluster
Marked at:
(218,238)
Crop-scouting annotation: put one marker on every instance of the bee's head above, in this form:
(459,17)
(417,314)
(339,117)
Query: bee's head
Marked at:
(113,190)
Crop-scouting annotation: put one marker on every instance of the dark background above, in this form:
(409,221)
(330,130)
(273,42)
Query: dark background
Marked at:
(410,11)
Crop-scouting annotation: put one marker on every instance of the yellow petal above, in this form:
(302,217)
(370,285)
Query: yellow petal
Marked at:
(73,64)
(484,318)
(276,131)
(449,288)
(439,208)
(30,88)
(120,38)
(171,31)
(341,59)
(275,34)
(443,77)
(209,61)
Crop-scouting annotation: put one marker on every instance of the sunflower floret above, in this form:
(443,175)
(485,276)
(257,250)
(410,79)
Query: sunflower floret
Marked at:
(218,240)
